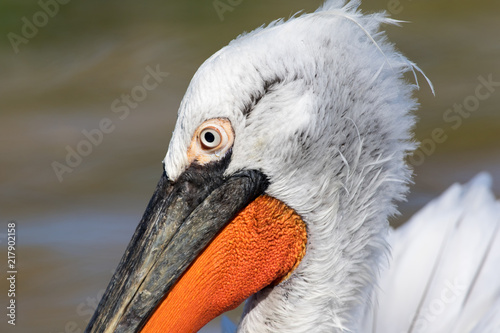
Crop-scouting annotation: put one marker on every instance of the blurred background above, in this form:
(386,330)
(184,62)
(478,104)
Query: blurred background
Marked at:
(66,67)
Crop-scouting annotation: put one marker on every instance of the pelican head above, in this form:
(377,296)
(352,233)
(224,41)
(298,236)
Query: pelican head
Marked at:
(285,163)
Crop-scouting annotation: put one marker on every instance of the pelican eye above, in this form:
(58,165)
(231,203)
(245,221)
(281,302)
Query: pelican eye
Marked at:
(210,138)
(211,141)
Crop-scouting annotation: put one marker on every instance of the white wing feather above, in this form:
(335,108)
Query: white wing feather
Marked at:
(445,272)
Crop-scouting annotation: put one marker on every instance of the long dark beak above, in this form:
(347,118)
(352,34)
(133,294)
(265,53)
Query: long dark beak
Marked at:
(180,220)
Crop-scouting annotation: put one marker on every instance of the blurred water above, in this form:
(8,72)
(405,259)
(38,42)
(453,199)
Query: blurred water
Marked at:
(71,233)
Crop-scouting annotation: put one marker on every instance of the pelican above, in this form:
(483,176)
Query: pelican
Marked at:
(287,160)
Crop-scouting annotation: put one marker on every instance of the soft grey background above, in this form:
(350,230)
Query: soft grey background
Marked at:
(64,79)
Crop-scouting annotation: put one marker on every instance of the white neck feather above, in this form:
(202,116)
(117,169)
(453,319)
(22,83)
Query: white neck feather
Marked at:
(345,193)
(331,288)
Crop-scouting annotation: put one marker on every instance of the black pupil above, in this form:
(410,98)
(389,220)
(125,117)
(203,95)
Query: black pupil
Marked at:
(209,137)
